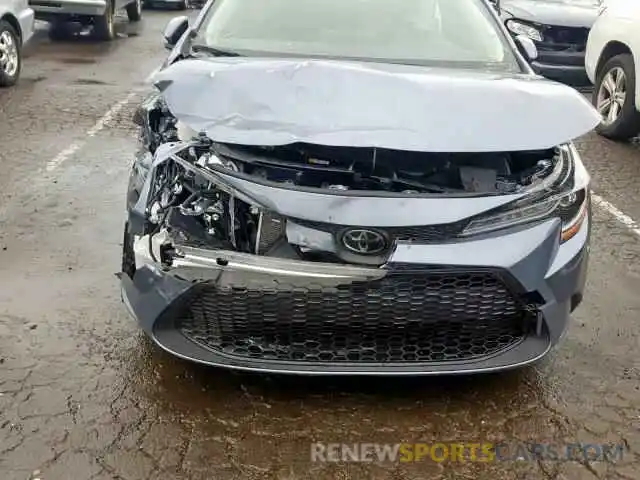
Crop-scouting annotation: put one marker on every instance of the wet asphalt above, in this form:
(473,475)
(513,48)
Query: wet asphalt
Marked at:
(83,396)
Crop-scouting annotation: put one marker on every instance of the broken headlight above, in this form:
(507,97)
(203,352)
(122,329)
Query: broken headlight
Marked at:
(569,200)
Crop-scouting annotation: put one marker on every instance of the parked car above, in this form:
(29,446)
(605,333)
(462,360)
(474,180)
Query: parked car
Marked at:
(559,28)
(16,29)
(613,65)
(96,13)
(396,198)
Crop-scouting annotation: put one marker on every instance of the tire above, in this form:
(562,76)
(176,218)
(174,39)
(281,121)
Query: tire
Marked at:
(617,80)
(10,55)
(103,25)
(134,11)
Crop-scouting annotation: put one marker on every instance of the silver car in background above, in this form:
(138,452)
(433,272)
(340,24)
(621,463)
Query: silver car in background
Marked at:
(99,14)
(16,28)
(396,198)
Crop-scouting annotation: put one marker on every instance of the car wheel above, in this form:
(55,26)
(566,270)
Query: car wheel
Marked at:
(10,55)
(103,25)
(134,11)
(614,98)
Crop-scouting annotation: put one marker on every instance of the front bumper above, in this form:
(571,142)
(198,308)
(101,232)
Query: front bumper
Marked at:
(48,10)
(569,74)
(480,305)
(561,54)
(565,66)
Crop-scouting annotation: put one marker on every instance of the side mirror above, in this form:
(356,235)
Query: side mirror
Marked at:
(174,31)
(527,47)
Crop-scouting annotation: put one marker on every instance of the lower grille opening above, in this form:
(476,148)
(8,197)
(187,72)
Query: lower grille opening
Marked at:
(406,317)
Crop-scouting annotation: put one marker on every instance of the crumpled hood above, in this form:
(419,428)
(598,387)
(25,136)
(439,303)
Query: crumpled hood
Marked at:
(335,103)
(567,13)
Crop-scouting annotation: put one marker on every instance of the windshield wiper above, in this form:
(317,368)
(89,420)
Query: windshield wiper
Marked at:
(216,52)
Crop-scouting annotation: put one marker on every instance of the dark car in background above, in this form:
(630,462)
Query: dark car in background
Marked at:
(559,29)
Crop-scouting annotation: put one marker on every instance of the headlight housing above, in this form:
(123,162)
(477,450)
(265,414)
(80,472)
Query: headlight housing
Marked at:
(521,28)
(568,199)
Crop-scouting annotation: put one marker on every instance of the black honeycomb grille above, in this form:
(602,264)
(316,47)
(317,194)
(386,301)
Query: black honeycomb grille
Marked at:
(419,234)
(405,317)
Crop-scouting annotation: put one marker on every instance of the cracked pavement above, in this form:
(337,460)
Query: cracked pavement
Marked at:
(84,396)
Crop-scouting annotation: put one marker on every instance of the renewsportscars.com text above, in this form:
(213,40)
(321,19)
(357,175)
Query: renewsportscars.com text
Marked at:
(464,452)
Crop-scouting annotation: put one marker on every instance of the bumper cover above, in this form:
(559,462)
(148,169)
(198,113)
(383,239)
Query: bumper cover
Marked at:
(520,261)
(47,9)
(565,67)
(569,74)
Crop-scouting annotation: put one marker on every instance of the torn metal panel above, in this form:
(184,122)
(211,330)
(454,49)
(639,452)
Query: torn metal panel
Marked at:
(278,102)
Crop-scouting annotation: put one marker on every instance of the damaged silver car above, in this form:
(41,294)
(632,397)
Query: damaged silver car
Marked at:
(394,198)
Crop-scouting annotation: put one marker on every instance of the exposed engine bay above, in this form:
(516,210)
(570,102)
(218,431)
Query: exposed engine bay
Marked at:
(371,169)
(189,202)
(349,168)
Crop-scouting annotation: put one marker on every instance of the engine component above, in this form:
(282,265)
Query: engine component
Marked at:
(194,210)
(345,168)
(271,228)
(189,206)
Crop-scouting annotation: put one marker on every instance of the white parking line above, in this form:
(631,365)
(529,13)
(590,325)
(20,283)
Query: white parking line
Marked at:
(619,215)
(68,152)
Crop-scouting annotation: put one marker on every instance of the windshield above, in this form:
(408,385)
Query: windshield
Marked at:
(422,32)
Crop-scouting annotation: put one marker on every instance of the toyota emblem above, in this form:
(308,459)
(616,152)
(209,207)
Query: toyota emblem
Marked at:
(364,242)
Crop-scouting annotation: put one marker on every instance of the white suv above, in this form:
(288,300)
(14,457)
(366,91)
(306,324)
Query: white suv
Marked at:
(613,65)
